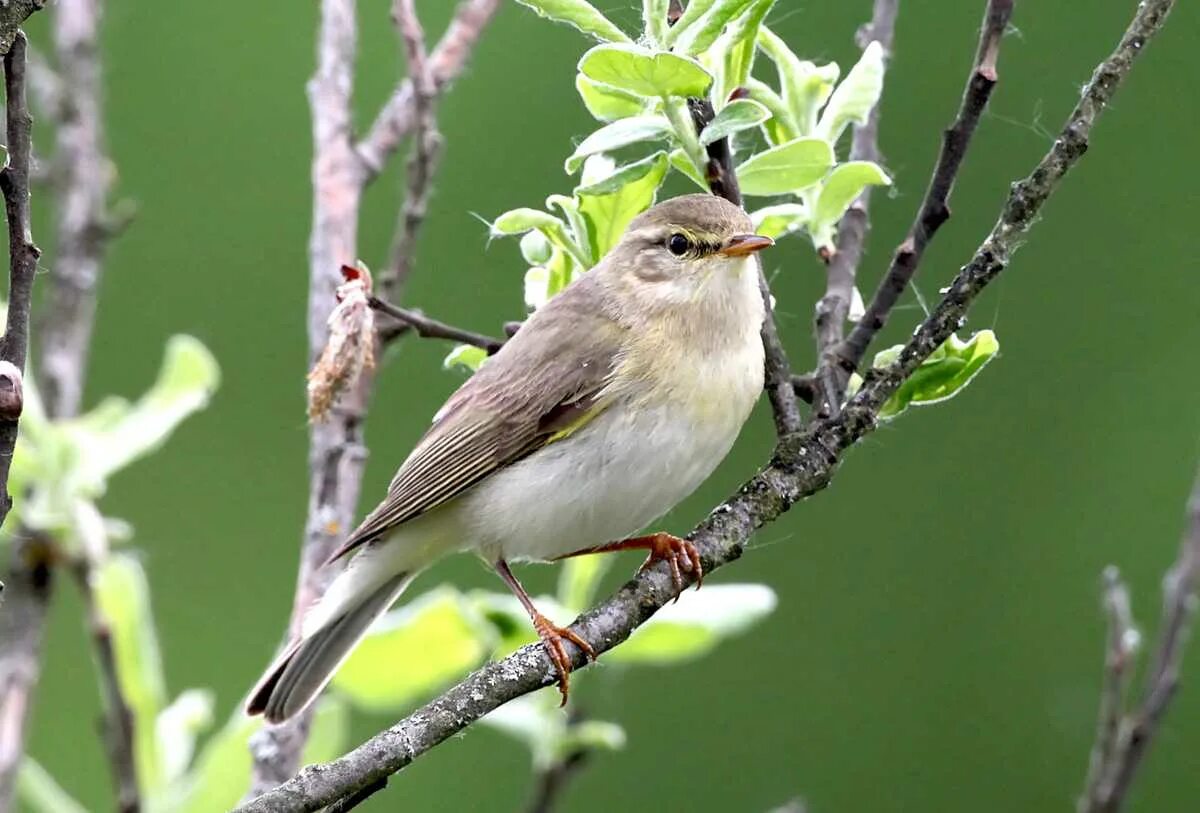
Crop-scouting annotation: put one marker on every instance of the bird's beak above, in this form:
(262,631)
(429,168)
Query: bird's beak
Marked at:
(741,245)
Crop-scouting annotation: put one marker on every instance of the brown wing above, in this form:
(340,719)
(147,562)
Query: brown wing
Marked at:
(527,395)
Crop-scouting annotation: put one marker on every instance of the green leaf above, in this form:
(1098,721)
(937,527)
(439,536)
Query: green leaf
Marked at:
(329,733)
(579,231)
(123,597)
(535,248)
(578,579)
(692,12)
(610,205)
(606,102)
(805,86)
(739,46)
(176,730)
(115,434)
(510,622)
(779,221)
(682,163)
(519,221)
(837,192)
(946,372)
(620,133)
(536,721)
(697,37)
(221,773)
(695,624)
(581,15)
(412,652)
(41,793)
(786,168)
(465,355)
(643,72)
(738,115)
(654,19)
(780,128)
(855,96)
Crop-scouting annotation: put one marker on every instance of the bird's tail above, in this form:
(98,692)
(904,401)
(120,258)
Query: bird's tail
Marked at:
(297,676)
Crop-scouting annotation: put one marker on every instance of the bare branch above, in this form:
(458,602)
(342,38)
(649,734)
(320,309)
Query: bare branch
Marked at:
(12,14)
(552,781)
(842,266)
(803,464)
(449,58)
(934,209)
(433,329)
(427,144)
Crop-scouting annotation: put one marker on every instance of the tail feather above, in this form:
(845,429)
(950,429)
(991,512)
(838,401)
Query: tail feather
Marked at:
(295,679)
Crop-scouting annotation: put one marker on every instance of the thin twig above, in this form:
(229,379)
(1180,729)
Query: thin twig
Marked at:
(722,181)
(118,724)
(552,781)
(449,58)
(433,329)
(803,464)
(934,209)
(427,146)
(1122,741)
(842,266)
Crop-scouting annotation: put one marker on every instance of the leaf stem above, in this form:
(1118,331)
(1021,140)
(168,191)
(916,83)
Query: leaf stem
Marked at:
(676,110)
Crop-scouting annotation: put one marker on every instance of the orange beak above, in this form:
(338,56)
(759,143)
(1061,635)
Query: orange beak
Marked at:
(742,244)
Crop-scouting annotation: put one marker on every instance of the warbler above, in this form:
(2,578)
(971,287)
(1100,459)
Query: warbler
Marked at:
(612,403)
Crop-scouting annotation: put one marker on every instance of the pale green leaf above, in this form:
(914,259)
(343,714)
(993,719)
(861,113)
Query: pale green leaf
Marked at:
(412,652)
(537,287)
(946,372)
(466,356)
(779,221)
(837,192)
(509,620)
(654,19)
(578,579)
(644,72)
(738,115)
(329,733)
(780,128)
(786,168)
(592,735)
(695,624)
(176,730)
(581,15)
(606,102)
(123,598)
(682,163)
(609,206)
(738,43)
(693,11)
(40,792)
(535,248)
(697,37)
(221,773)
(805,86)
(855,96)
(519,221)
(620,133)
(536,721)
(579,231)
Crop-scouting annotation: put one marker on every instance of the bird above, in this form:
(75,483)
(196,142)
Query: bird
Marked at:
(611,404)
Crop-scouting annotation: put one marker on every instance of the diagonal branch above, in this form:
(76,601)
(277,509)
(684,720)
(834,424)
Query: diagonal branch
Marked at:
(803,464)
(428,328)
(449,58)
(841,268)
(934,209)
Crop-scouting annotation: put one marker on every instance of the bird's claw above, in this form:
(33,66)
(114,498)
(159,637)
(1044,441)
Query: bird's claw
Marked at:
(680,555)
(552,637)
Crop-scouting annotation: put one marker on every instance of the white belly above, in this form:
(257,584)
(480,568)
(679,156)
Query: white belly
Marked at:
(605,482)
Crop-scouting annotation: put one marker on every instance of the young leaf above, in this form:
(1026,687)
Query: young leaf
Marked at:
(535,248)
(786,168)
(537,283)
(606,102)
(611,204)
(580,14)
(738,115)
(680,161)
(779,221)
(696,623)
(465,355)
(805,86)
(41,793)
(519,221)
(411,652)
(654,19)
(699,36)
(855,96)
(579,231)
(946,372)
(620,133)
(739,46)
(176,730)
(643,72)
(781,127)
(329,733)
(536,721)
(692,12)
(221,773)
(578,578)
(837,193)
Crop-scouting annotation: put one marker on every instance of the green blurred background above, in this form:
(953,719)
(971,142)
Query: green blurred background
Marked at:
(938,639)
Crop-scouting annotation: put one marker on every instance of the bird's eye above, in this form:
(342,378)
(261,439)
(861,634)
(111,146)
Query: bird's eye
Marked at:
(677,244)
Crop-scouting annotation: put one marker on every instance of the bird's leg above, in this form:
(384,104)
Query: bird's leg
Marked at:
(680,554)
(551,634)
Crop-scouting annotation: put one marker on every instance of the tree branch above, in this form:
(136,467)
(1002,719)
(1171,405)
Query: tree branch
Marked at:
(428,328)
(934,209)
(804,462)
(841,268)
(777,379)
(12,14)
(1122,739)
(553,780)
(449,58)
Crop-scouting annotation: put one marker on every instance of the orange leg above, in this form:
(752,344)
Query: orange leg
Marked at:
(680,554)
(551,634)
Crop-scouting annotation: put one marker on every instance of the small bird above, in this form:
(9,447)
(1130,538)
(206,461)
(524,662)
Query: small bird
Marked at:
(613,402)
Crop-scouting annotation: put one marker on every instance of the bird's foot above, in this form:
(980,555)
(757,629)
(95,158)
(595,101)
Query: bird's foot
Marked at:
(552,637)
(680,555)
